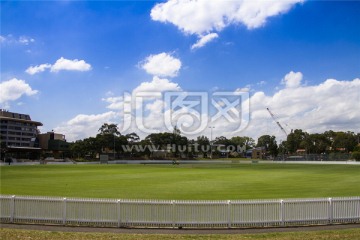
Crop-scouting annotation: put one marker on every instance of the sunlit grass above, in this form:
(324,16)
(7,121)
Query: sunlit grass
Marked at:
(195,181)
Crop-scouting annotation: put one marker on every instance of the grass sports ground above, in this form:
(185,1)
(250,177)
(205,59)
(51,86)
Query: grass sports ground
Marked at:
(183,182)
(188,182)
(15,234)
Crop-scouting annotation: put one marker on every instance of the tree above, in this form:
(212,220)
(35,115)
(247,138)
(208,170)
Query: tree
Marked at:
(269,142)
(179,142)
(161,140)
(316,143)
(87,147)
(132,137)
(345,140)
(203,144)
(107,128)
(248,142)
(3,150)
(222,140)
(356,156)
(295,140)
(107,136)
(141,148)
(282,148)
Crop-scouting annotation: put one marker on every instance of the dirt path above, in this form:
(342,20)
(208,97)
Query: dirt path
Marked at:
(177,231)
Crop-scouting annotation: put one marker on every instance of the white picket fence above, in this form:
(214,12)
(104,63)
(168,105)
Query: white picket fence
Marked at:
(177,213)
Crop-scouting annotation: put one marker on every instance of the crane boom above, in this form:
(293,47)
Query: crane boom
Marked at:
(277,122)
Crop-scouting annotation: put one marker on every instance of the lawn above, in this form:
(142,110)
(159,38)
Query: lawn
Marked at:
(181,182)
(14,234)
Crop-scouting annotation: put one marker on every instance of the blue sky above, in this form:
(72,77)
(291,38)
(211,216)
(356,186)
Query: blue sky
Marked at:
(278,56)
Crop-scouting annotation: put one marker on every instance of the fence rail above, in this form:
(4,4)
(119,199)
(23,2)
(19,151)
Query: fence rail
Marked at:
(178,213)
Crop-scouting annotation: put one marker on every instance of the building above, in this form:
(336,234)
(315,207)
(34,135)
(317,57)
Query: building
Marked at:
(18,135)
(54,144)
(256,153)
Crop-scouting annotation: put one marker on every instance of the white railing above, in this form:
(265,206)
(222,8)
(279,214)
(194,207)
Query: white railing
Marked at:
(178,213)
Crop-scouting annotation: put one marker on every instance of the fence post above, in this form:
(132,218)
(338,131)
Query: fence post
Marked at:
(229,213)
(12,208)
(118,212)
(282,213)
(173,213)
(64,211)
(330,211)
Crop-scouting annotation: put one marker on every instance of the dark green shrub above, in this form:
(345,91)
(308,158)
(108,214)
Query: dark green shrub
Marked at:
(356,156)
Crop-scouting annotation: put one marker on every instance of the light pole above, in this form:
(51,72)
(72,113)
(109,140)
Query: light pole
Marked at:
(211,128)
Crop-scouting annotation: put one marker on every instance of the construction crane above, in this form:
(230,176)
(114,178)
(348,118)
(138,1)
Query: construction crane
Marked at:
(277,122)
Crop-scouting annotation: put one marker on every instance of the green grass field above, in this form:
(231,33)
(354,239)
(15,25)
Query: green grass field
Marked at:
(16,234)
(181,182)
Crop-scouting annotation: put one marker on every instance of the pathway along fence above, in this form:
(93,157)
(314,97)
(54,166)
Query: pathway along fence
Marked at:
(165,213)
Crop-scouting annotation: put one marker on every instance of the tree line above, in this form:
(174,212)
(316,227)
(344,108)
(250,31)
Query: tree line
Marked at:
(110,140)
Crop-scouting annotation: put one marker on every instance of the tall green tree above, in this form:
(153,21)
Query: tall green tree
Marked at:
(222,140)
(345,140)
(295,140)
(269,142)
(108,137)
(203,144)
(248,142)
(107,128)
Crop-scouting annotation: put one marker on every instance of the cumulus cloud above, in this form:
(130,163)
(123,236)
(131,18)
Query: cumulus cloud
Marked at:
(146,98)
(37,69)
(115,103)
(201,17)
(332,104)
(62,64)
(70,65)
(292,79)
(83,125)
(161,65)
(204,40)
(157,85)
(14,89)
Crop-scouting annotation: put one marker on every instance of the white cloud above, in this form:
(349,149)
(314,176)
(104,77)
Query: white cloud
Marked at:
(60,65)
(115,103)
(332,104)
(22,40)
(292,79)
(13,89)
(261,83)
(157,85)
(70,65)
(26,40)
(37,69)
(83,126)
(161,65)
(201,17)
(151,90)
(204,40)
